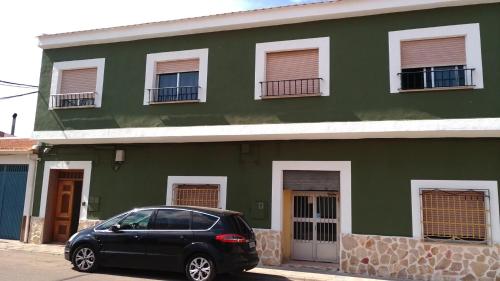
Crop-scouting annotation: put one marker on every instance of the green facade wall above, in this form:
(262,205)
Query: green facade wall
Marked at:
(359,76)
(381,173)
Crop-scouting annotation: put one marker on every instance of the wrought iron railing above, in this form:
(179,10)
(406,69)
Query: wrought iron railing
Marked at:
(71,100)
(437,78)
(173,94)
(295,87)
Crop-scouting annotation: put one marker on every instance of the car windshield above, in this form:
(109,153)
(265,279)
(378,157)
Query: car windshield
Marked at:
(112,221)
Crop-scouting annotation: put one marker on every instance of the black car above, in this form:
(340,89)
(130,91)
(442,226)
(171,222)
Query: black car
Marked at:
(198,241)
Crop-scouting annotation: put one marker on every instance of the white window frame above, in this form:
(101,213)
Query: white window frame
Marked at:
(472,49)
(151,60)
(321,43)
(491,187)
(59,67)
(173,181)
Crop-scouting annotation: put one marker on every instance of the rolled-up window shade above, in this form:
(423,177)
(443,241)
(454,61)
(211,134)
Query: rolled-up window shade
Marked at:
(78,80)
(291,65)
(177,66)
(433,52)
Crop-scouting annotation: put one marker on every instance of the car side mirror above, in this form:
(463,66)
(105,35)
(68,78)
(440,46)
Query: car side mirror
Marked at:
(115,228)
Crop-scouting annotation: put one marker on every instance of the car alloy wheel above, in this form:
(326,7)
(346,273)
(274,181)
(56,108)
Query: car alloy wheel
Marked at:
(200,269)
(84,259)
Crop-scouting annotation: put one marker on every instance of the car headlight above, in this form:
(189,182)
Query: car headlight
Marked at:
(72,237)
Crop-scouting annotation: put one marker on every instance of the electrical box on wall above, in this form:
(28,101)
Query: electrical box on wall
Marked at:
(259,210)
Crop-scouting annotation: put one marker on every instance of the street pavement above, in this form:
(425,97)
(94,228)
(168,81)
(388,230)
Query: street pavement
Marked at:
(31,266)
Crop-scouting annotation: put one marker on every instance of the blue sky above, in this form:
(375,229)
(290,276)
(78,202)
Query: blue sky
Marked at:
(20,57)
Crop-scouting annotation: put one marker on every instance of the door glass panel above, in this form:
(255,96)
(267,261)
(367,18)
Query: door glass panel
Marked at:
(326,207)
(303,231)
(137,220)
(169,219)
(302,207)
(326,232)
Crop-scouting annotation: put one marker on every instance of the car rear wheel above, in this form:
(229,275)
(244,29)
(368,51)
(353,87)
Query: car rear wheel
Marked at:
(200,268)
(84,259)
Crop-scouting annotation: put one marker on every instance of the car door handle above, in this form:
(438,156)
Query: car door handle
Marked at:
(137,237)
(182,237)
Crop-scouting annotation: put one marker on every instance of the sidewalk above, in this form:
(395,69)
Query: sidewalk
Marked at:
(53,249)
(287,273)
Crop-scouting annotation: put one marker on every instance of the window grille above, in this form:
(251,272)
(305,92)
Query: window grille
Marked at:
(197,195)
(455,215)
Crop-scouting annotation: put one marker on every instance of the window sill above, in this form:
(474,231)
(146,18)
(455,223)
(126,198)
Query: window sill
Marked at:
(174,102)
(290,96)
(484,244)
(73,107)
(437,89)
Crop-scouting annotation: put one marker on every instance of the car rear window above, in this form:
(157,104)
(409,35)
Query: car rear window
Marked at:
(202,221)
(239,225)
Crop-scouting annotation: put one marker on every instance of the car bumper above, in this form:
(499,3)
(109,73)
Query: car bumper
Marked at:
(67,250)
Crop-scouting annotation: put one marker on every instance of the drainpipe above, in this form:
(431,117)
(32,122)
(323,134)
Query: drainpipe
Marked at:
(34,159)
(13,128)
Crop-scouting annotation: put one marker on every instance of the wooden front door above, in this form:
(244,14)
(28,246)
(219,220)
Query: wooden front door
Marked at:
(64,210)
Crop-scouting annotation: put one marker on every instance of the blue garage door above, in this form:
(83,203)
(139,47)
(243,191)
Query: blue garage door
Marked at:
(12,189)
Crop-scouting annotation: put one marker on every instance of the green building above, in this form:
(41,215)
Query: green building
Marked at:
(360,133)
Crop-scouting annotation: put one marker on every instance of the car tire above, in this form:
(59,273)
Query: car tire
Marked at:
(84,259)
(200,267)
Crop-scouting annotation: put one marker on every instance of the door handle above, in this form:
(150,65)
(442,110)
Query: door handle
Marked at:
(182,237)
(137,237)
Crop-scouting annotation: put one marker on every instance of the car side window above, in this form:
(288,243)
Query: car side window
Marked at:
(112,221)
(136,220)
(171,219)
(202,221)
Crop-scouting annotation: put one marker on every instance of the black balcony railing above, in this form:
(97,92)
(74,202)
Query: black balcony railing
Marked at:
(296,87)
(86,99)
(173,94)
(436,78)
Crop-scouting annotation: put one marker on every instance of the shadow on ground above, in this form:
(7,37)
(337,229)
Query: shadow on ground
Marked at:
(169,276)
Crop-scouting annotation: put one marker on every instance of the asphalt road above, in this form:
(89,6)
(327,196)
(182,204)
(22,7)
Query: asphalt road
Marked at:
(27,266)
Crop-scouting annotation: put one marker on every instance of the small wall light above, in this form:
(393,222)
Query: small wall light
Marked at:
(119,159)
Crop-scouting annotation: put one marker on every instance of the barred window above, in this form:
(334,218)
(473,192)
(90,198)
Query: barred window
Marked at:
(454,215)
(197,195)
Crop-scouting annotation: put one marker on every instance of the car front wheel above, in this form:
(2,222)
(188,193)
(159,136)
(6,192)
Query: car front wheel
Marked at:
(84,259)
(200,268)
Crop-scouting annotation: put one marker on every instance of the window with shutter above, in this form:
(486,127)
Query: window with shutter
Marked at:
(454,215)
(292,73)
(77,84)
(176,81)
(197,195)
(434,63)
(436,58)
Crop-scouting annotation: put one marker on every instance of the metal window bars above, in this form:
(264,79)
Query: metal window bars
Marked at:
(173,94)
(431,78)
(73,100)
(290,88)
(455,215)
(200,195)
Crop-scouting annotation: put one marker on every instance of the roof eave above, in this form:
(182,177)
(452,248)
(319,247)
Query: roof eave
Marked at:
(243,20)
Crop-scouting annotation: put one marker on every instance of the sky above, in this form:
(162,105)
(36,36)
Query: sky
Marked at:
(22,20)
